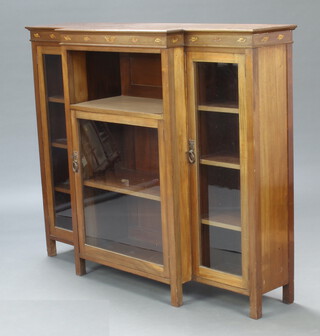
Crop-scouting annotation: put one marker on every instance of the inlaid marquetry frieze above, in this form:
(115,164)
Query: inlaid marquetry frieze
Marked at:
(163,40)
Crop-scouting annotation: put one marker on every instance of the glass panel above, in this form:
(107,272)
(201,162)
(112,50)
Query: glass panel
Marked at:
(63,210)
(120,169)
(219,136)
(57,123)
(53,76)
(221,249)
(58,140)
(220,201)
(60,166)
(218,84)
(124,224)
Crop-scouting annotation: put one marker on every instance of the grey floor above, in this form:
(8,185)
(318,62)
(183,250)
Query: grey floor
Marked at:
(43,296)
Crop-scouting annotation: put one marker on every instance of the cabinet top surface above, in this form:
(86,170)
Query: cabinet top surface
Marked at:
(165,27)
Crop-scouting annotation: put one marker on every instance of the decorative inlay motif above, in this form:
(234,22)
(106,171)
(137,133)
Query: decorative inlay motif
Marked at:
(241,40)
(193,38)
(175,39)
(110,39)
(52,36)
(36,35)
(158,40)
(265,39)
(280,37)
(217,39)
(86,38)
(134,39)
(67,37)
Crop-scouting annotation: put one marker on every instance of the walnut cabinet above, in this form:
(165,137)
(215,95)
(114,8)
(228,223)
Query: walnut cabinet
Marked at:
(166,151)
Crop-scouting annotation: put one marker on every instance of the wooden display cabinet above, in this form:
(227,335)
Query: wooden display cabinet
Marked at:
(166,151)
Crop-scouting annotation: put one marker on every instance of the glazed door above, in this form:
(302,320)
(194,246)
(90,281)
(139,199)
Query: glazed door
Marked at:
(119,192)
(55,145)
(218,166)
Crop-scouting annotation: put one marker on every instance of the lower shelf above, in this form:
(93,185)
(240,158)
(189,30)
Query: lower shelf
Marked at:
(126,249)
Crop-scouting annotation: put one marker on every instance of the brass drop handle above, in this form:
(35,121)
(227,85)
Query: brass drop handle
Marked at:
(191,152)
(75,162)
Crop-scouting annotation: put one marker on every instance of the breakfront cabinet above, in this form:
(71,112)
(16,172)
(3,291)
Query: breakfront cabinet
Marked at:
(166,151)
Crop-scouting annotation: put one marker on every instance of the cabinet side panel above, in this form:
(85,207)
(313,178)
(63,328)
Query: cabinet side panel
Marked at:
(272,101)
(51,245)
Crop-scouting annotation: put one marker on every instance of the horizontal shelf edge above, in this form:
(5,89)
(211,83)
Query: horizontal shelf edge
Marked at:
(120,190)
(221,225)
(59,145)
(218,108)
(220,164)
(117,112)
(56,99)
(123,105)
(62,188)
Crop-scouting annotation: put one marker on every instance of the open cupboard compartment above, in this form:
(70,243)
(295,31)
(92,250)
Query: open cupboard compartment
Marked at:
(116,82)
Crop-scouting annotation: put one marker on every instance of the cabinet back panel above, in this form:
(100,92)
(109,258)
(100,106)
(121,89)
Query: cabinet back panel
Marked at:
(141,75)
(103,75)
(139,147)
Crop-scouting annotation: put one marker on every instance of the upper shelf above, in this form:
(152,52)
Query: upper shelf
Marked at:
(143,107)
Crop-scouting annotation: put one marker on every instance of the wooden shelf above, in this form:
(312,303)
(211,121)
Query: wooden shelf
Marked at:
(60,143)
(225,161)
(145,107)
(134,183)
(230,220)
(223,108)
(56,99)
(63,187)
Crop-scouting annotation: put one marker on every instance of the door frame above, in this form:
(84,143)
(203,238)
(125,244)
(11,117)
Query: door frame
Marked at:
(109,258)
(55,232)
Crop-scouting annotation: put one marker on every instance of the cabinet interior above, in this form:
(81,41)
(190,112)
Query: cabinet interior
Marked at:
(98,75)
